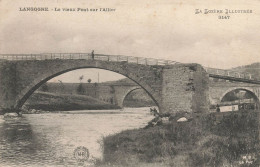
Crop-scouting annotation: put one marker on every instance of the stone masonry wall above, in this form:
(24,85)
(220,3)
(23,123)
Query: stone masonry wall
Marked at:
(8,84)
(185,89)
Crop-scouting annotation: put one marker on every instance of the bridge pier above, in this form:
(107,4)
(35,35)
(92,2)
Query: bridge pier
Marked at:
(8,84)
(185,89)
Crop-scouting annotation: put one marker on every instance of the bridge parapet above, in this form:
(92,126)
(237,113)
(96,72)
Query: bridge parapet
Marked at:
(87,56)
(228,73)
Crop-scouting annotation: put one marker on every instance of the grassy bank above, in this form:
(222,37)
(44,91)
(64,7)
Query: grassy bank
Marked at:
(207,141)
(138,103)
(63,102)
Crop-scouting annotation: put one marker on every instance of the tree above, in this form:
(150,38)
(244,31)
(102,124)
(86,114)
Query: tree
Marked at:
(61,85)
(81,78)
(80,89)
(89,80)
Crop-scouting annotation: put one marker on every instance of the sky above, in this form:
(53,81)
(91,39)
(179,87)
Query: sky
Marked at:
(96,75)
(149,28)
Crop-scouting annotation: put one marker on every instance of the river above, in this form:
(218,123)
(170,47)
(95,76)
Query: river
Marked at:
(50,139)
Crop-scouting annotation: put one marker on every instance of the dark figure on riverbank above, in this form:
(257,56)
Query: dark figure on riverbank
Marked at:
(218,109)
(154,111)
(92,54)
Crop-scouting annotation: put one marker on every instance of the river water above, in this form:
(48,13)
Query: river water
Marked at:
(50,139)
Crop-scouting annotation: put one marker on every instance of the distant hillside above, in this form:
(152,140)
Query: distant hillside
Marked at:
(125,81)
(90,88)
(138,98)
(62,102)
(253,69)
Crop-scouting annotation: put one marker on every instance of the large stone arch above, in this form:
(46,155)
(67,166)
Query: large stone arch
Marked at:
(46,75)
(31,88)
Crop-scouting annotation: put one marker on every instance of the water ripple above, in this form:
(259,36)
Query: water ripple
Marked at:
(50,139)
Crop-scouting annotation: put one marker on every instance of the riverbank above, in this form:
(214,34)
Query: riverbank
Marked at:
(213,140)
(46,101)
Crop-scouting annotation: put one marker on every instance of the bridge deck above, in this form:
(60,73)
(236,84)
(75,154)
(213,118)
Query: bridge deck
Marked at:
(235,79)
(214,73)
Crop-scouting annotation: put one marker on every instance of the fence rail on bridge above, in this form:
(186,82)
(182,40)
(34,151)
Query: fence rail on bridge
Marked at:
(87,56)
(217,73)
(228,73)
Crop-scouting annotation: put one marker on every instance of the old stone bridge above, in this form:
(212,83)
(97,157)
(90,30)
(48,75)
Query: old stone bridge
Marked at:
(173,86)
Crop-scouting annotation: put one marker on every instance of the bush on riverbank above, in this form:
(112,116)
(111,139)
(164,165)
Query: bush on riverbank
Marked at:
(8,110)
(187,144)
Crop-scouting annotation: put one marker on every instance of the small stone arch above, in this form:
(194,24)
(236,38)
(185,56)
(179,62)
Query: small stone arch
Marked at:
(121,95)
(130,91)
(251,92)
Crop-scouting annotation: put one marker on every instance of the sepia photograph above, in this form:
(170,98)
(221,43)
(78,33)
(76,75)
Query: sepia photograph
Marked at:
(151,83)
